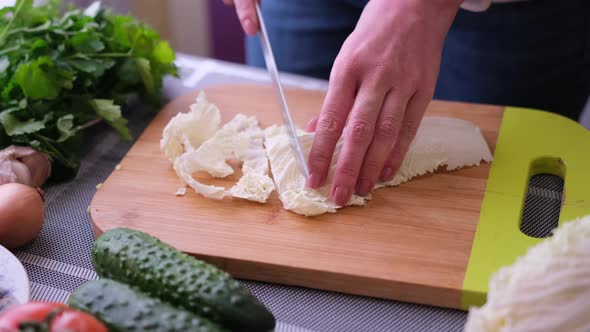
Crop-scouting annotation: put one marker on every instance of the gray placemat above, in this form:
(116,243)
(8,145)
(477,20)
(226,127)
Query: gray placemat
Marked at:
(58,260)
(542,206)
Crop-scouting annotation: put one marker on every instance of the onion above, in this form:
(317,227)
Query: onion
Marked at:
(24,165)
(39,166)
(21,214)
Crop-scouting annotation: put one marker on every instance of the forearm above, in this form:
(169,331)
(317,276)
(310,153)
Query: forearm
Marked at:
(438,15)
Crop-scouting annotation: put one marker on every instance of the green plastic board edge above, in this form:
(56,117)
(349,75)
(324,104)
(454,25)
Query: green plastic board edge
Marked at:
(529,142)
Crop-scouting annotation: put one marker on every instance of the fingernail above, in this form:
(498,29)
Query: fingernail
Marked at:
(310,126)
(249,26)
(314,181)
(341,196)
(364,187)
(386,174)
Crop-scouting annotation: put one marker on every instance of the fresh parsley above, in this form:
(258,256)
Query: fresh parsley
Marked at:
(61,71)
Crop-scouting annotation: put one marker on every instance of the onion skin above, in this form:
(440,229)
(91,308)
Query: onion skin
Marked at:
(39,165)
(21,164)
(22,212)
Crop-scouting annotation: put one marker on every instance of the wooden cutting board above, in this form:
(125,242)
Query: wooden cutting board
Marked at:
(411,243)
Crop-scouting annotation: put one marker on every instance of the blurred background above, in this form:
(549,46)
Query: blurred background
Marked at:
(197,27)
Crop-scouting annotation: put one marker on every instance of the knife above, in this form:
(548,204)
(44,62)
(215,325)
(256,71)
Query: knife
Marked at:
(274,75)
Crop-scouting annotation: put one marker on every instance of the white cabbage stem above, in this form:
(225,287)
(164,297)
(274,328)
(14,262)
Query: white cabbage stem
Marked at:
(25,165)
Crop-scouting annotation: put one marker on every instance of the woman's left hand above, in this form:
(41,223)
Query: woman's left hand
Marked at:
(382,82)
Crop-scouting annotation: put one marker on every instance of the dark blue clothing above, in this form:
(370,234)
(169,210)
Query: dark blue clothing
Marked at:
(532,54)
(306,35)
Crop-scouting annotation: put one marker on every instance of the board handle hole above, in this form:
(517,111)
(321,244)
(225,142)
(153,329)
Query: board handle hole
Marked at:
(544,198)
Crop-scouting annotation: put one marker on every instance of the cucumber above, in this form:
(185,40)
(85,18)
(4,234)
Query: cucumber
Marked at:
(124,309)
(138,259)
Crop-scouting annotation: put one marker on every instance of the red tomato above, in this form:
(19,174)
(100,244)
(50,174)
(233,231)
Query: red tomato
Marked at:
(65,318)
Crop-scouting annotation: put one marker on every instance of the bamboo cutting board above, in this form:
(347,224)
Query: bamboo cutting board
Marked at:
(411,243)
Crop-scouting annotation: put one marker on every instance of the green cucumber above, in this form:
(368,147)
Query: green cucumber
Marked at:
(124,309)
(138,259)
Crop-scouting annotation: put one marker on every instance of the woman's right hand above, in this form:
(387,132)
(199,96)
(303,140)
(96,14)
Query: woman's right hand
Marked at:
(246,10)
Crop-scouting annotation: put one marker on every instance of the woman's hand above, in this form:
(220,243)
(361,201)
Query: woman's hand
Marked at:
(382,81)
(246,10)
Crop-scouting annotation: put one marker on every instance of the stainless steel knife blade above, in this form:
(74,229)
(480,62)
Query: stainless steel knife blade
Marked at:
(274,75)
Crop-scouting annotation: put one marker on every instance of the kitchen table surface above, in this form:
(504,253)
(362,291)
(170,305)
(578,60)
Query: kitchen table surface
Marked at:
(58,261)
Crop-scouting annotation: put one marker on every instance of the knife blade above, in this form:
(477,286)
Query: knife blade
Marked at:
(276,82)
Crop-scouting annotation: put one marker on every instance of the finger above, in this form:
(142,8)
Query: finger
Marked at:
(387,130)
(331,121)
(412,118)
(358,137)
(246,10)
(311,124)
(228,2)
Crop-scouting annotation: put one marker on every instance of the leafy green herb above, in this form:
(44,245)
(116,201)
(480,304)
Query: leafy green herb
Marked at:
(60,71)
